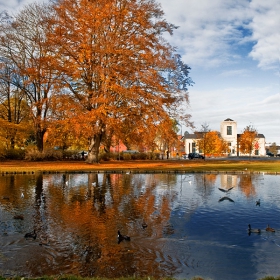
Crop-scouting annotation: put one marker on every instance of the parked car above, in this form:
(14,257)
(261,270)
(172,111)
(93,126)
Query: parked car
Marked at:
(195,155)
(130,152)
(269,154)
(278,155)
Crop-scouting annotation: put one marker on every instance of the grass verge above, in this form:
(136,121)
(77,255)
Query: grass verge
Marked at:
(271,166)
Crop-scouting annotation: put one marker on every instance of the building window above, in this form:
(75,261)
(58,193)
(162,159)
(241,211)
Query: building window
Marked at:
(193,147)
(229,130)
(256,152)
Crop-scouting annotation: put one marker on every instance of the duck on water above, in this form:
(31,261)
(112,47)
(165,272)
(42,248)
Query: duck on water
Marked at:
(31,235)
(122,237)
(253,230)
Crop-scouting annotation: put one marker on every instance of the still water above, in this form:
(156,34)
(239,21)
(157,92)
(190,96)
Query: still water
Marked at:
(196,225)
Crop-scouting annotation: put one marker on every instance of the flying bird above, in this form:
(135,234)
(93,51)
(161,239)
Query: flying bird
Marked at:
(224,190)
(225,198)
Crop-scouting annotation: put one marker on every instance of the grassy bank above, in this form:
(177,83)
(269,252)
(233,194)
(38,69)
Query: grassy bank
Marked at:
(269,166)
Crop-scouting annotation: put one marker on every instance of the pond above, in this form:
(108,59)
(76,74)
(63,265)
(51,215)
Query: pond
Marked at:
(180,225)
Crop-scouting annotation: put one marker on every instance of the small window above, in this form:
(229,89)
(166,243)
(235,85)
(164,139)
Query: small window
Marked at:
(193,147)
(256,152)
(229,130)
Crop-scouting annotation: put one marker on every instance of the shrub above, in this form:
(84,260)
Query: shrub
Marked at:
(33,154)
(140,156)
(69,154)
(126,156)
(15,154)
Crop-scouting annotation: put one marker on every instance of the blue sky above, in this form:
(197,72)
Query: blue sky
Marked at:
(233,48)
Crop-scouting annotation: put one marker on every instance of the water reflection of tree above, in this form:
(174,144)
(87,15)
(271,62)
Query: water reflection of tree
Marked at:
(12,186)
(246,184)
(92,214)
(205,183)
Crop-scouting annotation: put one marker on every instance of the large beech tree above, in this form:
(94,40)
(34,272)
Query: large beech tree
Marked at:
(116,66)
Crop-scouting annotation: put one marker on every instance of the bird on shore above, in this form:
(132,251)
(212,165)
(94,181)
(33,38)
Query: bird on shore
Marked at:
(122,237)
(268,228)
(258,202)
(253,230)
(31,235)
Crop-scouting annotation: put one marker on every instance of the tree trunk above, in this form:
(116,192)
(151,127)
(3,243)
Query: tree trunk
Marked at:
(40,139)
(93,150)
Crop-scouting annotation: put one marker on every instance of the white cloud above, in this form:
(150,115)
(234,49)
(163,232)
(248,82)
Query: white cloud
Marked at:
(266,32)
(210,31)
(234,73)
(271,100)
(207,29)
(245,105)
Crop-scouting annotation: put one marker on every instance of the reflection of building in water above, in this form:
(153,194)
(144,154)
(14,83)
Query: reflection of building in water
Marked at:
(228,181)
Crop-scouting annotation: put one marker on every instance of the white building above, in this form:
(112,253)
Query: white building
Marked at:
(228,131)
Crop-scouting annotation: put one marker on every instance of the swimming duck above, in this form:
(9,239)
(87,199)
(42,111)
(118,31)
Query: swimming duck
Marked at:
(268,228)
(252,230)
(30,235)
(122,237)
(18,217)
(258,202)
(144,225)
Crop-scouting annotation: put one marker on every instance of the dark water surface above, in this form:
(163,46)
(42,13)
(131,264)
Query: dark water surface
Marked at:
(194,227)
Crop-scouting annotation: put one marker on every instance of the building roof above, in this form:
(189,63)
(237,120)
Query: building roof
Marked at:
(257,135)
(197,135)
(228,120)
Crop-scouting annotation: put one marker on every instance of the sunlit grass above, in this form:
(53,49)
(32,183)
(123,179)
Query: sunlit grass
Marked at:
(271,166)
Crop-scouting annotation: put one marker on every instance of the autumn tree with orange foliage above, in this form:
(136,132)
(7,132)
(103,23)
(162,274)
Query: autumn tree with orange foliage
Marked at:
(212,143)
(116,67)
(14,110)
(247,140)
(23,45)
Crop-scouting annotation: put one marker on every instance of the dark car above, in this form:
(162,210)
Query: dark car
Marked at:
(269,154)
(195,155)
